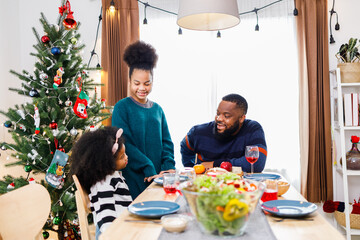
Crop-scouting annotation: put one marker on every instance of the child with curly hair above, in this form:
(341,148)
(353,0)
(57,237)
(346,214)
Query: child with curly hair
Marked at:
(148,142)
(96,160)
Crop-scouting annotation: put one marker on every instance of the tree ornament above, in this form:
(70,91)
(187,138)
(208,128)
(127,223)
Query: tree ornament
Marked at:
(73,40)
(68,22)
(61,149)
(21,113)
(45,39)
(22,127)
(37,120)
(54,175)
(10,186)
(68,103)
(45,234)
(56,220)
(58,77)
(7,124)
(27,168)
(43,76)
(85,73)
(55,51)
(31,181)
(34,93)
(55,132)
(73,132)
(53,125)
(80,105)
(103,102)
(92,128)
(56,27)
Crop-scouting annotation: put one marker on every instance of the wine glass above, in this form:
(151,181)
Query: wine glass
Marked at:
(252,155)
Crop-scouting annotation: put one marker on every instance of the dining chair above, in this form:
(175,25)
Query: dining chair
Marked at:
(83,209)
(23,212)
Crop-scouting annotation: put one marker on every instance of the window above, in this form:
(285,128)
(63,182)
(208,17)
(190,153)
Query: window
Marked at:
(196,69)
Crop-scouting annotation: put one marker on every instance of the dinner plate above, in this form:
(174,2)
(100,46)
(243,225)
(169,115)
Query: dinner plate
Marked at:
(262,176)
(159,180)
(289,208)
(153,209)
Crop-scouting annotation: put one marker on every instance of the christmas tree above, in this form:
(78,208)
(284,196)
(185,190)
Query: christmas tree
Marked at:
(58,110)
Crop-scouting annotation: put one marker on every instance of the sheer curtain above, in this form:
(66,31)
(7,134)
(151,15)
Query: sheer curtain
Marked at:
(196,69)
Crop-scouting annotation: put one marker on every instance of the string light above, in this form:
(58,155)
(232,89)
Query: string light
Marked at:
(96,37)
(112,6)
(337,26)
(218,35)
(295,12)
(257,21)
(145,20)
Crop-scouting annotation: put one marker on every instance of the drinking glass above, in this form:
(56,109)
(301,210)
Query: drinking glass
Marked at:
(170,182)
(252,155)
(271,190)
(187,174)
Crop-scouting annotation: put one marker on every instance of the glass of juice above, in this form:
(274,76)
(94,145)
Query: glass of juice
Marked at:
(170,183)
(271,190)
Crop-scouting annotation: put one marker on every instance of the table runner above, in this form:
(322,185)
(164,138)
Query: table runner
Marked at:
(257,228)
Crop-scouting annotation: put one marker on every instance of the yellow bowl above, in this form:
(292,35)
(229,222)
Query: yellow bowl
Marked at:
(283,187)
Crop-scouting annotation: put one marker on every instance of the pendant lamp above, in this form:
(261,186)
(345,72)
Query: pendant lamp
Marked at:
(208,15)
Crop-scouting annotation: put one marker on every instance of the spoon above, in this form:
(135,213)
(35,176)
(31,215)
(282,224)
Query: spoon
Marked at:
(299,219)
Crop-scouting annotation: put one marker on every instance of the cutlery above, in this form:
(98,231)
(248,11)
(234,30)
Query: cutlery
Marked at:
(144,221)
(297,219)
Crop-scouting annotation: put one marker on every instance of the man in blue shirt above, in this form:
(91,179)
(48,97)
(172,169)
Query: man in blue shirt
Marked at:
(226,138)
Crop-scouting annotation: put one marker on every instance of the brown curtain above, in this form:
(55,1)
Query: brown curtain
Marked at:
(119,29)
(315,129)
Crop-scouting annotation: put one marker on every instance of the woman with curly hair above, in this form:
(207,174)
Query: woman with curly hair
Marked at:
(148,142)
(96,160)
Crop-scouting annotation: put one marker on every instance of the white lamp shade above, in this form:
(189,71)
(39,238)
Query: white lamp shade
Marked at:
(208,15)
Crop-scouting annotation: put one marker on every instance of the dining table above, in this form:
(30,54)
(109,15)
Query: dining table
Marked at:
(124,227)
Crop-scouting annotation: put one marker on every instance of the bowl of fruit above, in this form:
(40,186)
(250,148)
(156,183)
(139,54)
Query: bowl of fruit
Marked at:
(222,204)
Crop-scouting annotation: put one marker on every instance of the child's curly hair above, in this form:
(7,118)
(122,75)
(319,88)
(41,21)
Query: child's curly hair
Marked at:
(92,159)
(140,55)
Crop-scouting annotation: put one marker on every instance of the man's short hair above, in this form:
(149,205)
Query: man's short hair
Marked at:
(239,100)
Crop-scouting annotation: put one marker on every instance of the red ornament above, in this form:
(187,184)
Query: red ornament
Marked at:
(69,22)
(61,149)
(45,39)
(62,9)
(53,125)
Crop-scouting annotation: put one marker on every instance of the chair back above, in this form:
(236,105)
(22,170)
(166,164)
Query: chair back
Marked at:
(23,212)
(83,209)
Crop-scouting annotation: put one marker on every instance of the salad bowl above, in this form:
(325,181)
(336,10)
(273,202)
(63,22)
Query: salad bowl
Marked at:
(223,204)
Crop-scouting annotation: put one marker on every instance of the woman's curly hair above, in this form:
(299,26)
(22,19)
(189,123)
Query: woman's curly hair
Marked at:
(92,159)
(140,55)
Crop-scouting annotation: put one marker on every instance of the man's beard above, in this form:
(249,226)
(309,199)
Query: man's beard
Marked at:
(227,134)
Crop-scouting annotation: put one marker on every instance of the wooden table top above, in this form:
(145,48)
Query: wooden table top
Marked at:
(319,228)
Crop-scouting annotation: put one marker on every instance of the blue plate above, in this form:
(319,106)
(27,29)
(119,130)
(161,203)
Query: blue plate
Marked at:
(153,209)
(159,180)
(289,208)
(262,176)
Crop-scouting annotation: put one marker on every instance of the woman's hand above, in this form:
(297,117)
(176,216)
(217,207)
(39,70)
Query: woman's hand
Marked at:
(149,179)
